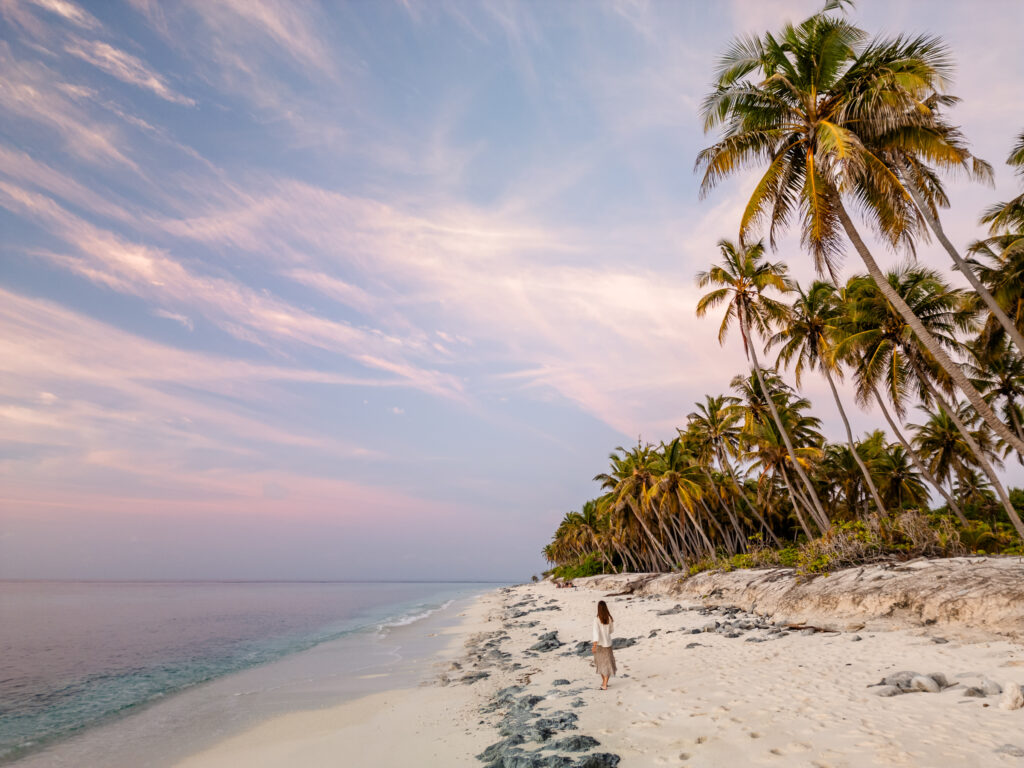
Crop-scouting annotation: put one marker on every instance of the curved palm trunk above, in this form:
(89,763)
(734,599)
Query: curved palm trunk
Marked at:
(700,531)
(677,556)
(595,541)
(656,545)
(726,541)
(853,447)
(740,538)
(1014,421)
(691,546)
(920,464)
(983,462)
(927,340)
(739,490)
(607,561)
(778,421)
(629,561)
(796,504)
(963,266)
(808,508)
(696,526)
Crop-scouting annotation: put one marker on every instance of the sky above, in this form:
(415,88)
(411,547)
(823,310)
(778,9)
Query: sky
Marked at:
(299,290)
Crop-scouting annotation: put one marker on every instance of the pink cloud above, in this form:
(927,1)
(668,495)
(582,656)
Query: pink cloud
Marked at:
(137,403)
(125,67)
(29,91)
(69,11)
(528,290)
(256,317)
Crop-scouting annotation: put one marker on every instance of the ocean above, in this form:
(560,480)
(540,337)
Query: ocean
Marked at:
(161,666)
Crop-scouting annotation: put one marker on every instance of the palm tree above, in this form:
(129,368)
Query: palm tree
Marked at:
(1009,217)
(594,530)
(742,279)
(840,482)
(999,374)
(629,484)
(714,429)
(975,491)
(941,144)
(810,102)
(899,484)
(807,338)
(767,450)
(566,544)
(873,343)
(943,311)
(762,434)
(1004,251)
(999,261)
(943,447)
(676,492)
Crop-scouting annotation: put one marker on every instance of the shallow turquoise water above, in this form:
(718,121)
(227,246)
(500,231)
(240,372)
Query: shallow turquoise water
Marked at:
(74,655)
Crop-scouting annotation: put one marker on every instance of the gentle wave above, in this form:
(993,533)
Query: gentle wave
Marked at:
(411,618)
(32,717)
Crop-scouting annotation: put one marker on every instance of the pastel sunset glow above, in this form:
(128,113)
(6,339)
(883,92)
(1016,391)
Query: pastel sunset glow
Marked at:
(299,290)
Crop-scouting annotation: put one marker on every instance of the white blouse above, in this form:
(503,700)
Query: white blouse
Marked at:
(603,633)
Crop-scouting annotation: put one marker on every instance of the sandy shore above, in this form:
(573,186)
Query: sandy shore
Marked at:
(699,684)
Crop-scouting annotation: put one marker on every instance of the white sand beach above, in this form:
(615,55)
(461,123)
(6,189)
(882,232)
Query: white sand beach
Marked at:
(701,684)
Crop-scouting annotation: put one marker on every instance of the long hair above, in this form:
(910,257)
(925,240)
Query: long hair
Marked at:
(603,614)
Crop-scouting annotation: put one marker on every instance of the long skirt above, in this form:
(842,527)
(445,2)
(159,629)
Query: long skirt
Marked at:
(604,660)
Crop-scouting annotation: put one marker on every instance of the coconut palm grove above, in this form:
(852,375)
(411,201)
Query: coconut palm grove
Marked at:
(847,133)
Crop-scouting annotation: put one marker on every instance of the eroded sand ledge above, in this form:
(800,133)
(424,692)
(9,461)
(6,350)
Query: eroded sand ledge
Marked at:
(967,594)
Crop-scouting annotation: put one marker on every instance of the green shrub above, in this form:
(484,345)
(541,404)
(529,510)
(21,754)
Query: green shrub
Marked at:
(901,536)
(788,557)
(591,565)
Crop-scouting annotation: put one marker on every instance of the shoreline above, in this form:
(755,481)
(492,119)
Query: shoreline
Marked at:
(380,654)
(400,726)
(699,684)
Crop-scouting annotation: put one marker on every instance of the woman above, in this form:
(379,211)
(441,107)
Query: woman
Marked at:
(604,659)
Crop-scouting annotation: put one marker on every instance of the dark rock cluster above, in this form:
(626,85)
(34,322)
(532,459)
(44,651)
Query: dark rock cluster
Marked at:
(528,736)
(547,642)
(527,606)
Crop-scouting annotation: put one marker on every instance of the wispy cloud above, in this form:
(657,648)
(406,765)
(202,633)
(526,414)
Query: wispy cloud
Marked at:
(292,27)
(125,67)
(514,285)
(69,11)
(255,317)
(183,320)
(30,91)
(21,167)
(75,382)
